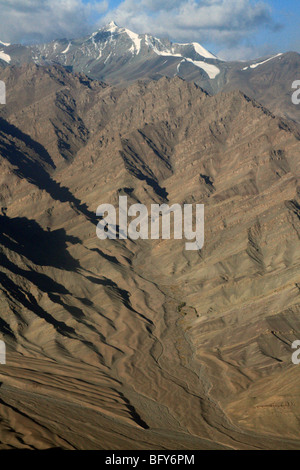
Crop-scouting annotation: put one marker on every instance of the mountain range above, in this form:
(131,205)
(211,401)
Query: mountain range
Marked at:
(140,344)
(119,56)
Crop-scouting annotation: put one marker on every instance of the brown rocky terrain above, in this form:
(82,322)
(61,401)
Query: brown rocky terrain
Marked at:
(269,83)
(120,57)
(141,344)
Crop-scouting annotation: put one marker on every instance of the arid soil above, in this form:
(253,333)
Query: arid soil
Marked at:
(123,344)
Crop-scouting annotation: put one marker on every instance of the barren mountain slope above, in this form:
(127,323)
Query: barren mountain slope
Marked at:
(120,57)
(141,344)
(269,82)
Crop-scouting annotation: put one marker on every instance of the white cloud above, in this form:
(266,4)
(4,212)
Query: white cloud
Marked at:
(228,25)
(44,20)
(243,52)
(224,23)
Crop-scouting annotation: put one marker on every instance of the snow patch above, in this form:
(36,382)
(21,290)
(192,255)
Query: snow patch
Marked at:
(112,26)
(108,57)
(253,66)
(6,44)
(5,57)
(179,65)
(67,49)
(135,39)
(165,52)
(199,49)
(203,52)
(211,70)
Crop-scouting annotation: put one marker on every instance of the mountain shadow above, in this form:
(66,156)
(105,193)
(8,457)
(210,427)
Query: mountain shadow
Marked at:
(31,164)
(27,238)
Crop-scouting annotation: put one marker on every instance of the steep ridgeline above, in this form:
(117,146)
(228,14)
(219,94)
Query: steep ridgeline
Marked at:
(119,56)
(141,344)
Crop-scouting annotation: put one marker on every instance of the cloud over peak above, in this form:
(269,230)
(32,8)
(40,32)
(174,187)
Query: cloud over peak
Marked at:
(219,21)
(45,20)
(223,24)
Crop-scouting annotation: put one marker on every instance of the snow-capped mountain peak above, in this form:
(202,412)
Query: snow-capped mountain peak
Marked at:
(112,45)
(6,44)
(114,51)
(203,52)
(116,33)
(112,26)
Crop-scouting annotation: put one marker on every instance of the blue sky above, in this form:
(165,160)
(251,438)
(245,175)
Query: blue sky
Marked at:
(233,29)
(287,14)
(280,33)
